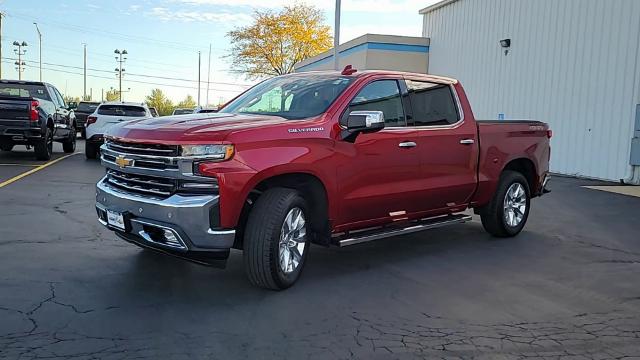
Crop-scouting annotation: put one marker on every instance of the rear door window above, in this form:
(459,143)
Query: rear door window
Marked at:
(432,104)
(122,110)
(381,95)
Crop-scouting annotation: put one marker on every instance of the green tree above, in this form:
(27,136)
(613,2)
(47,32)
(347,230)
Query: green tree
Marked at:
(112,95)
(69,99)
(188,103)
(277,40)
(158,100)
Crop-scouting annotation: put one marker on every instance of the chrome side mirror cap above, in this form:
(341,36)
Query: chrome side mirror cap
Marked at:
(362,122)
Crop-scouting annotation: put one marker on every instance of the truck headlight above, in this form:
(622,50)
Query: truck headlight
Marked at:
(210,152)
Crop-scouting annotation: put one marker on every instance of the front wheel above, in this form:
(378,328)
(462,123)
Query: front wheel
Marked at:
(507,213)
(44,148)
(69,145)
(276,239)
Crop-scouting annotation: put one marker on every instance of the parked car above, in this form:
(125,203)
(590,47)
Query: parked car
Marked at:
(205,110)
(106,115)
(182,111)
(84,109)
(154,112)
(33,113)
(323,157)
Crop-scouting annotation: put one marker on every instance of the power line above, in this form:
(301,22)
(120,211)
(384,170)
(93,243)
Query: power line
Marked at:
(133,74)
(110,78)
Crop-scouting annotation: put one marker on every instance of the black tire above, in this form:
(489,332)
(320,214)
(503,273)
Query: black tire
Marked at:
(44,148)
(493,216)
(69,145)
(262,239)
(90,150)
(6,147)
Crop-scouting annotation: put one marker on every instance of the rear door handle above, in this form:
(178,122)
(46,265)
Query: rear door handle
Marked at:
(407,144)
(467,141)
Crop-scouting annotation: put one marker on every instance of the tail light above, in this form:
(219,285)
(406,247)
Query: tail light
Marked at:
(90,120)
(549,133)
(34,114)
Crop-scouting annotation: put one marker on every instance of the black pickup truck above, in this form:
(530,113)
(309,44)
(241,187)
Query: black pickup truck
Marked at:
(34,114)
(84,109)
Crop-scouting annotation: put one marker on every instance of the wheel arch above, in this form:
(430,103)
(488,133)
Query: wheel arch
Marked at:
(527,168)
(312,189)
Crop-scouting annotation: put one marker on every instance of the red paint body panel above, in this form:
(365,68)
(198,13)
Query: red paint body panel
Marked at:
(369,182)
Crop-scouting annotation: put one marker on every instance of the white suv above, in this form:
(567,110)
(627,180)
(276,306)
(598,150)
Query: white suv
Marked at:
(106,115)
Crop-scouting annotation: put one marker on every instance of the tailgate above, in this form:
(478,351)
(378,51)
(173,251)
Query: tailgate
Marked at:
(14,111)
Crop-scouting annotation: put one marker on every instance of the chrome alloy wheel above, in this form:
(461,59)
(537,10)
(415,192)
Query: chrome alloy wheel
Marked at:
(293,235)
(515,204)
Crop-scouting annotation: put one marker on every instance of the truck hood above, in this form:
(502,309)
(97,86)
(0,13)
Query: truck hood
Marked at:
(190,128)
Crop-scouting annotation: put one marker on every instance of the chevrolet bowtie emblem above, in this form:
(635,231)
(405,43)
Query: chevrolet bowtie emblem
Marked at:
(122,162)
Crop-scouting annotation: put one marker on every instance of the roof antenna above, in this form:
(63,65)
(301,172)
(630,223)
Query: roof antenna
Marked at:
(349,70)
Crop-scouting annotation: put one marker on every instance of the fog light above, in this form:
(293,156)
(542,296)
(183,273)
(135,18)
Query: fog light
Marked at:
(170,238)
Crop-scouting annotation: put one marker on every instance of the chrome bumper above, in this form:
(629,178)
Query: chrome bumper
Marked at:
(186,218)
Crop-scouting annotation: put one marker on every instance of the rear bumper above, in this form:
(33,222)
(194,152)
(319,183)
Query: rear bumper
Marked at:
(179,225)
(20,133)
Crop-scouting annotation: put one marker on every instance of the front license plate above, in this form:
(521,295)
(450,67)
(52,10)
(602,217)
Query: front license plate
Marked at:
(115,219)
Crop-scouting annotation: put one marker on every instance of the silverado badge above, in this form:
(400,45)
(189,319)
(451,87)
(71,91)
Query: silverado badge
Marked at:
(122,162)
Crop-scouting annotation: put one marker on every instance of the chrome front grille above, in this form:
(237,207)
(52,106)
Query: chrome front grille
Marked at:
(142,184)
(144,149)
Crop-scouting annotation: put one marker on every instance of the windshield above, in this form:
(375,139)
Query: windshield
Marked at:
(291,97)
(87,107)
(121,110)
(24,90)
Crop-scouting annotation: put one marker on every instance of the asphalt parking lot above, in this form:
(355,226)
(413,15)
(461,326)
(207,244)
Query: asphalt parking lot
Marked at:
(567,287)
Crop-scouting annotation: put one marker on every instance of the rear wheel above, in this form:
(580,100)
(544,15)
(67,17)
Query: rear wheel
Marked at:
(69,145)
(90,150)
(44,148)
(507,213)
(275,240)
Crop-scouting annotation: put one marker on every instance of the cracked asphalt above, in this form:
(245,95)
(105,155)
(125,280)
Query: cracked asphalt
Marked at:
(566,288)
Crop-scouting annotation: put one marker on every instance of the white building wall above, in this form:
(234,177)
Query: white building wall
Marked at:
(572,63)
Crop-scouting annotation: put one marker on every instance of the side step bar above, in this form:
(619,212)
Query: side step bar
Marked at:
(416,226)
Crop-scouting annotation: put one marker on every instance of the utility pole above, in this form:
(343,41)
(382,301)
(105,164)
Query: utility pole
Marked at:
(120,59)
(199,78)
(40,47)
(1,16)
(102,95)
(84,89)
(208,75)
(336,38)
(20,64)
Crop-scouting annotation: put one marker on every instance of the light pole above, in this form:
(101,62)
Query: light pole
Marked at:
(120,59)
(20,64)
(84,57)
(40,47)
(336,37)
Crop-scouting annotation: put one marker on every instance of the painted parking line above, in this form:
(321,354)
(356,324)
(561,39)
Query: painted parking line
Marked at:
(25,165)
(34,170)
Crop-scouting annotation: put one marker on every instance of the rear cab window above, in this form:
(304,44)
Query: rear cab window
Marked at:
(87,107)
(122,110)
(24,90)
(432,104)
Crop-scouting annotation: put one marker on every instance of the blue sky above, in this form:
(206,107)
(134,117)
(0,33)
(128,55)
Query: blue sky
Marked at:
(163,38)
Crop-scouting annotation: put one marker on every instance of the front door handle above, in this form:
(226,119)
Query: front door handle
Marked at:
(407,144)
(467,141)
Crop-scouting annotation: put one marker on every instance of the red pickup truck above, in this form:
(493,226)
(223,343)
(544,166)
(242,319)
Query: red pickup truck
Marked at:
(332,158)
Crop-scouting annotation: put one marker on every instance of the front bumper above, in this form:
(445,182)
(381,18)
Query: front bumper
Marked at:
(179,225)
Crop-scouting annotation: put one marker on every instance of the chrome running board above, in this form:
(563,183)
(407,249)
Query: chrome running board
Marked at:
(358,237)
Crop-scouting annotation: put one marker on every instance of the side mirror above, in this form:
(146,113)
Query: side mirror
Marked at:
(362,122)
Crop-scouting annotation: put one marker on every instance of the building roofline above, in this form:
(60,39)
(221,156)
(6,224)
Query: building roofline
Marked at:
(436,6)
